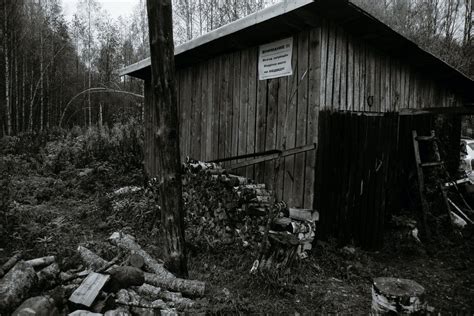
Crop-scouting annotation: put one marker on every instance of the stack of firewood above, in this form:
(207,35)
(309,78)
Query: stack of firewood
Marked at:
(132,283)
(244,210)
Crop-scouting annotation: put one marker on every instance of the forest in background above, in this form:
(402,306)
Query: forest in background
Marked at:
(57,73)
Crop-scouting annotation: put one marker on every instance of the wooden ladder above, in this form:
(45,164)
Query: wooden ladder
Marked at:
(438,163)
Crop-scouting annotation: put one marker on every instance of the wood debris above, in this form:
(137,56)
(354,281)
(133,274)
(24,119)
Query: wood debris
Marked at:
(9,264)
(225,209)
(87,292)
(16,285)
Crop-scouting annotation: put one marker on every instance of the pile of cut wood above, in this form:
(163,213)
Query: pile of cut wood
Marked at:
(133,283)
(226,208)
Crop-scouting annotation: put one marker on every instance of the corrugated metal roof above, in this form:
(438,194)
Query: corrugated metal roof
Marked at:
(290,16)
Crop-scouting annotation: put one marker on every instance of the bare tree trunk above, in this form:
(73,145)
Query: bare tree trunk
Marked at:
(17,96)
(41,74)
(7,71)
(164,98)
(47,103)
(100,115)
(467,23)
(200,17)
(30,114)
(90,61)
(23,95)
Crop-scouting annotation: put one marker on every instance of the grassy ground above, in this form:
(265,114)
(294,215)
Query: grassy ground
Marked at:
(50,213)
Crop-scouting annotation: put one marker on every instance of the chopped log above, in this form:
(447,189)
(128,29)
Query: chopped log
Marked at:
(87,292)
(135,260)
(187,287)
(75,278)
(91,260)
(47,277)
(84,313)
(10,263)
(252,186)
(178,299)
(16,284)
(168,312)
(38,306)
(41,262)
(124,277)
(264,199)
(400,296)
(263,192)
(153,292)
(65,276)
(127,296)
(149,291)
(121,311)
(130,298)
(170,296)
(127,242)
(303,214)
(237,180)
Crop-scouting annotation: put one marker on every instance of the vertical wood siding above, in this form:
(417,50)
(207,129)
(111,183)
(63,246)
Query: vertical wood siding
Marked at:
(225,110)
(358,77)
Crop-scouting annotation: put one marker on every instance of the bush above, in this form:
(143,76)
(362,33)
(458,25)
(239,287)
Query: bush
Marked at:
(120,146)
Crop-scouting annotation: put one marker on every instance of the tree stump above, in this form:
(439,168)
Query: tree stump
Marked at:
(280,254)
(397,295)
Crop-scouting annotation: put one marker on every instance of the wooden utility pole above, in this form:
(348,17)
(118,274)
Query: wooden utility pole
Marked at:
(167,134)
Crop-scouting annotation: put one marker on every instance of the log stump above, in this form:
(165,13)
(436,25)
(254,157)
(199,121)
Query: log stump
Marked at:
(392,295)
(280,254)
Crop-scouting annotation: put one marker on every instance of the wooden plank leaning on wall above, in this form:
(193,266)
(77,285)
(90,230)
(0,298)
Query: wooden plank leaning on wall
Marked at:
(313,114)
(289,140)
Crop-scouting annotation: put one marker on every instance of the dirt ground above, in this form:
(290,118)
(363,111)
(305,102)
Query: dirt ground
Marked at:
(51,214)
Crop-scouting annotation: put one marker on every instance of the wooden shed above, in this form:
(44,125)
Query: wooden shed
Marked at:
(351,84)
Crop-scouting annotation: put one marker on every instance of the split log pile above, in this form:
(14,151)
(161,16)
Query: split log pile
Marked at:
(134,283)
(227,208)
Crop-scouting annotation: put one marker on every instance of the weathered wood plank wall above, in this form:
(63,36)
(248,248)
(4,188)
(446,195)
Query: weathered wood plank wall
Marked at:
(359,77)
(366,170)
(226,111)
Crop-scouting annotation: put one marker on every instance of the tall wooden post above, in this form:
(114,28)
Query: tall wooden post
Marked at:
(167,134)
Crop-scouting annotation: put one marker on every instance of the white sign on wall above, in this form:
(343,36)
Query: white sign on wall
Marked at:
(274,59)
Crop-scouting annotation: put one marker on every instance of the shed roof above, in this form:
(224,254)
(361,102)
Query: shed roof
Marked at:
(290,16)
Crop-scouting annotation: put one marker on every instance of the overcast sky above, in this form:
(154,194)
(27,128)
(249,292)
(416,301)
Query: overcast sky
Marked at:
(114,7)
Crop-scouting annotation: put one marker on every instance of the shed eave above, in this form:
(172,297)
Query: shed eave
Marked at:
(137,69)
(260,27)
(134,69)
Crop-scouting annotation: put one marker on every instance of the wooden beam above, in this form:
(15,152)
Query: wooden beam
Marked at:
(269,157)
(251,155)
(462,110)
